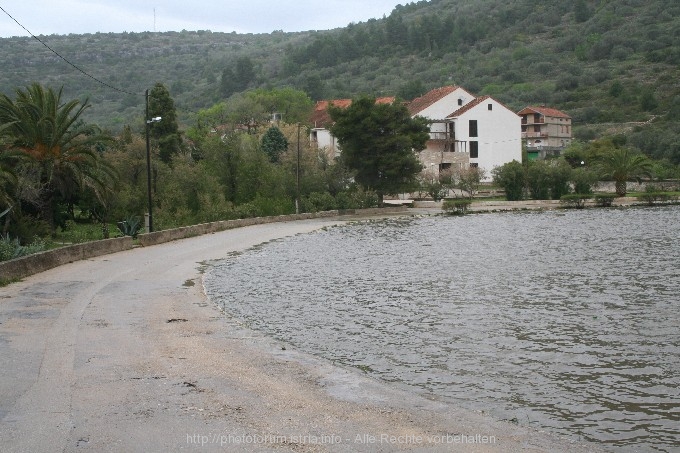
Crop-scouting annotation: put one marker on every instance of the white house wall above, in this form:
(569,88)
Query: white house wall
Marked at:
(325,140)
(443,107)
(499,135)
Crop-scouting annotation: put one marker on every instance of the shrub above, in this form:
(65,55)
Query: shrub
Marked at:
(11,248)
(652,198)
(318,201)
(583,180)
(605,200)
(458,206)
(511,178)
(575,200)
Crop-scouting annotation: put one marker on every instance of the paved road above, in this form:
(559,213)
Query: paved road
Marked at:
(124,353)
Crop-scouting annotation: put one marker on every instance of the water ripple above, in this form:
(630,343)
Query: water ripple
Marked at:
(565,321)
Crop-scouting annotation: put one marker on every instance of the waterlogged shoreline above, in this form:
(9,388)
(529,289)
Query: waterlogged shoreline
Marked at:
(124,352)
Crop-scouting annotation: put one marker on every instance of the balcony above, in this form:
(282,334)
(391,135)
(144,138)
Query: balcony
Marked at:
(534,134)
(442,137)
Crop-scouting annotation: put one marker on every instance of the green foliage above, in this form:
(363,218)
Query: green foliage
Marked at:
(548,179)
(604,200)
(239,77)
(467,180)
(621,165)
(457,206)
(575,200)
(539,179)
(274,143)
(511,178)
(317,202)
(165,131)
(433,43)
(433,185)
(653,195)
(61,153)
(11,248)
(583,179)
(130,226)
(378,143)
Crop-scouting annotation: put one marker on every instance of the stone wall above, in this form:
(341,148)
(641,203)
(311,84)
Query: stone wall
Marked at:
(39,262)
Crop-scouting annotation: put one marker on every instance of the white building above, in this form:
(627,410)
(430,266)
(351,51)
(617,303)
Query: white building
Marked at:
(464,130)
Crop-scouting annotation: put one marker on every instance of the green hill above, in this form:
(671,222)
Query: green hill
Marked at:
(614,66)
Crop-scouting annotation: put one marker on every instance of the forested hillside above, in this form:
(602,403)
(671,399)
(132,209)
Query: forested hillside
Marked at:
(613,65)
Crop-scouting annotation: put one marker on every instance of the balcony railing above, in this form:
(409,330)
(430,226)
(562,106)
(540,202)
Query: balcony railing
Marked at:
(534,134)
(442,136)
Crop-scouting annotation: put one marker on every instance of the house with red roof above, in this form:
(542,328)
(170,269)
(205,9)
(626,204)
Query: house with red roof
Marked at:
(321,123)
(545,131)
(465,130)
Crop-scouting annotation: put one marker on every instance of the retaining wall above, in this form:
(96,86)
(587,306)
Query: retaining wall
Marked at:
(39,262)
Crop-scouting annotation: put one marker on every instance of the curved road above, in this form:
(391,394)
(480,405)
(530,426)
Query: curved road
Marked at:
(124,353)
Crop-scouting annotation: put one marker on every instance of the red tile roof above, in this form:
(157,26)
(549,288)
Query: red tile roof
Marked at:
(546,111)
(419,104)
(321,118)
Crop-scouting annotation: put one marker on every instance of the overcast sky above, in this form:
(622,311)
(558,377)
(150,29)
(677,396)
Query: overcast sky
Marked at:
(46,17)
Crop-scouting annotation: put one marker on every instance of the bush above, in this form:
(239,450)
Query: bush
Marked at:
(575,200)
(318,201)
(12,248)
(652,198)
(583,180)
(356,199)
(511,178)
(458,206)
(605,200)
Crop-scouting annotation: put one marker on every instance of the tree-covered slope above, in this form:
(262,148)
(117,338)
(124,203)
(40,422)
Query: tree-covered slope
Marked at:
(613,65)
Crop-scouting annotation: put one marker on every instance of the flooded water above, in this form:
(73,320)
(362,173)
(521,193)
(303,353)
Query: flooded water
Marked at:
(565,321)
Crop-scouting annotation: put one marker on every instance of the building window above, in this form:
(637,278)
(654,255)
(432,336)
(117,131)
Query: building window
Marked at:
(474,150)
(473,128)
(444,166)
(490,106)
(474,165)
(460,101)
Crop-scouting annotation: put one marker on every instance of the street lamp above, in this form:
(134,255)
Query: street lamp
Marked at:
(148,160)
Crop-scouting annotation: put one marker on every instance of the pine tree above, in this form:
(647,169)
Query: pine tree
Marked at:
(379,143)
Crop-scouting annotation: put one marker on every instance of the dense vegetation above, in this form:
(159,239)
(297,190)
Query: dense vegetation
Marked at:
(613,66)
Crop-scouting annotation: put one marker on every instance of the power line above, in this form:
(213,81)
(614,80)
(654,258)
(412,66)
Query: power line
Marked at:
(67,61)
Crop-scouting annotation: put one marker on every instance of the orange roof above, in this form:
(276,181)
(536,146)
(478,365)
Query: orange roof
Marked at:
(419,104)
(321,118)
(546,111)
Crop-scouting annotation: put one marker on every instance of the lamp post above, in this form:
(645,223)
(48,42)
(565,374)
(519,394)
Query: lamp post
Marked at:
(148,121)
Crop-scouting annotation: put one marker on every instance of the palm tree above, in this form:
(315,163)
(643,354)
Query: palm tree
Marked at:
(61,146)
(621,165)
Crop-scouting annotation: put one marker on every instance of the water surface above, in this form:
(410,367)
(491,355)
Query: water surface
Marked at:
(566,321)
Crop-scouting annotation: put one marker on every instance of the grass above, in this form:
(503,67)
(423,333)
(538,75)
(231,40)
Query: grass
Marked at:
(79,232)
